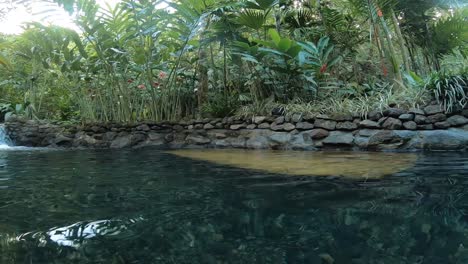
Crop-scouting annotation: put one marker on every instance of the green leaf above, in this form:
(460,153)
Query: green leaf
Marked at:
(285,44)
(252,18)
(274,36)
(294,50)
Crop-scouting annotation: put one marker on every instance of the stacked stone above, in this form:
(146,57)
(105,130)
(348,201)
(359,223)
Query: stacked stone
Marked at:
(393,128)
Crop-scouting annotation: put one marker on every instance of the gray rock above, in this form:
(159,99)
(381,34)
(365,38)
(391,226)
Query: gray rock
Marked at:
(416,111)
(465,113)
(457,120)
(279,120)
(258,119)
(437,118)
(421,120)
(62,140)
(382,120)
(374,115)
(394,112)
(137,138)
(251,126)
(143,127)
(296,117)
(219,125)
(309,117)
(383,137)
(276,127)
(465,127)
(214,121)
(178,128)
(406,117)
(156,137)
(169,138)
(392,123)
(197,140)
(410,125)
(361,142)
(191,127)
(346,126)
(220,135)
(319,133)
(11,118)
(323,116)
(208,126)
(339,138)
(433,109)
(238,126)
(304,126)
(280,137)
(98,129)
(326,124)
(369,124)
(109,136)
(264,126)
(258,142)
(122,142)
(289,127)
(455,139)
(367,132)
(442,125)
(237,142)
(199,126)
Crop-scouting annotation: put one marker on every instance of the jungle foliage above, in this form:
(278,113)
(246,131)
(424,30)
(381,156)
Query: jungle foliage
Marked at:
(137,61)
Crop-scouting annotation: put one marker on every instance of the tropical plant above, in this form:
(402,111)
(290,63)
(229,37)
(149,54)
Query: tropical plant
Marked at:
(450,90)
(136,61)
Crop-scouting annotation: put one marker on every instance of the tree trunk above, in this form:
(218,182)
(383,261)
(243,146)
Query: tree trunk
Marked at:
(203,80)
(404,51)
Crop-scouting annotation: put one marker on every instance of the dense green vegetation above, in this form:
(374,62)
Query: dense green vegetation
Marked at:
(218,58)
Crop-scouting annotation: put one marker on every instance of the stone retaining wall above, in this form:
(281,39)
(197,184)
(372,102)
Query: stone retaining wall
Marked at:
(394,129)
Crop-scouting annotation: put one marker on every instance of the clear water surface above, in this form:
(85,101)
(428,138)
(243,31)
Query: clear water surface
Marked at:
(148,206)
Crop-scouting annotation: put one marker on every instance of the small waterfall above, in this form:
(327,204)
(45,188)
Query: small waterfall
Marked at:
(5,141)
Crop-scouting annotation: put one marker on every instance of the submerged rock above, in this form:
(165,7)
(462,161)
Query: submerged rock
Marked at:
(198,140)
(455,139)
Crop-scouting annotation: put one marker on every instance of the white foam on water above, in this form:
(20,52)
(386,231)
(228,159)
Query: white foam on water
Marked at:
(5,141)
(4,146)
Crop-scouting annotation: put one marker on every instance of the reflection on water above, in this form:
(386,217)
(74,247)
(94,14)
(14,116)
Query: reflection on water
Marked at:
(144,206)
(349,164)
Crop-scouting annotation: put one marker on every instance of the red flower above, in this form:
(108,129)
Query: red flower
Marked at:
(130,80)
(379,13)
(324,68)
(384,70)
(155,84)
(162,75)
(141,86)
